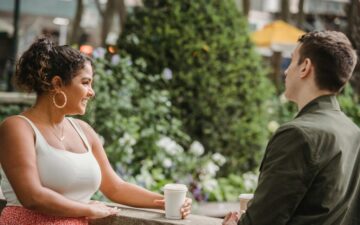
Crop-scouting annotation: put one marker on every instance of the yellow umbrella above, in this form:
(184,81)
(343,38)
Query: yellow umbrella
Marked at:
(277,32)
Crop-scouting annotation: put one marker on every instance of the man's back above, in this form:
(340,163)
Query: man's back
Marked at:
(335,153)
(310,171)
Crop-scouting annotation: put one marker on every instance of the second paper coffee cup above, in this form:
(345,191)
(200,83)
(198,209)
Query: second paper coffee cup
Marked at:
(175,195)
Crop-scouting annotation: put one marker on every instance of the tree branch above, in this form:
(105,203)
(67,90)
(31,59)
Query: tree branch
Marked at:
(98,6)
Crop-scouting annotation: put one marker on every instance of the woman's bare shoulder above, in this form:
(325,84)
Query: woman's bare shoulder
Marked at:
(16,138)
(14,124)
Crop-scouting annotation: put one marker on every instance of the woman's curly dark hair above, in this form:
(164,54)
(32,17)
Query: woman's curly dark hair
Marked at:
(44,60)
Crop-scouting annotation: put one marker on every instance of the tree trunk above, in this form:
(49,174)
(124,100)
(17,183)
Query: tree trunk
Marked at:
(122,14)
(107,20)
(300,15)
(246,7)
(76,24)
(285,10)
(353,32)
(354,23)
(276,73)
(98,6)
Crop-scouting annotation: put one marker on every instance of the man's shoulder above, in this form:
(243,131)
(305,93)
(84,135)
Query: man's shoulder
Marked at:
(295,126)
(289,132)
(321,122)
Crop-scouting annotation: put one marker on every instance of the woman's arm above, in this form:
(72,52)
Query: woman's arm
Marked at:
(18,160)
(112,186)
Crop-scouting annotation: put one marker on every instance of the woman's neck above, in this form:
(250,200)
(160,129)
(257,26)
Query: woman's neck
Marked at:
(44,111)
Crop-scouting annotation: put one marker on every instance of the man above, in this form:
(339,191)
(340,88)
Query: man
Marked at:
(310,174)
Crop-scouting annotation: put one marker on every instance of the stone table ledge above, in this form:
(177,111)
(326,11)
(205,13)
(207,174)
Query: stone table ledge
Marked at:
(138,216)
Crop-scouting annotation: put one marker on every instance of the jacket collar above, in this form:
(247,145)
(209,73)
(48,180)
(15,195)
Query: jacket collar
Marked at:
(321,102)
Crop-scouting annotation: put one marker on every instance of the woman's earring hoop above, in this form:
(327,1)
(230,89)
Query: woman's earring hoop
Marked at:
(54,100)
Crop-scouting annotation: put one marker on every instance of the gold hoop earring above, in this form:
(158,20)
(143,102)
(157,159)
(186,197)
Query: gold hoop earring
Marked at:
(54,100)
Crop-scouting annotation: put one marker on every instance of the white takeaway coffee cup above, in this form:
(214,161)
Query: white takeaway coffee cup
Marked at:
(244,199)
(175,195)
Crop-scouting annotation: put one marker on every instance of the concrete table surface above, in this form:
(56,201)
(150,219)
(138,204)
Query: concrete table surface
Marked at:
(216,209)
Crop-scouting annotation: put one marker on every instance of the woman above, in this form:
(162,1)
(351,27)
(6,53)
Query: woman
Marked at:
(53,164)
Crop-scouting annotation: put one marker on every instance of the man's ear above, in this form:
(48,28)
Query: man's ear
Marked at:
(306,68)
(56,82)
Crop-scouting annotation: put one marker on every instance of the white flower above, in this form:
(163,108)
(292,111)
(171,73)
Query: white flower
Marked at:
(109,72)
(283,99)
(127,139)
(211,168)
(115,59)
(145,178)
(167,74)
(219,159)
(273,126)
(170,146)
(167,163)
(129,150)
(132,38)
(270,110)
(203,176)
(210,184)
(197,148)
(250,181)
(99,53)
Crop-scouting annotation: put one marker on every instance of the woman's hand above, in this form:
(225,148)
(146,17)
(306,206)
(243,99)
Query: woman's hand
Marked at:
(231,219)
(100,210)
(185,209)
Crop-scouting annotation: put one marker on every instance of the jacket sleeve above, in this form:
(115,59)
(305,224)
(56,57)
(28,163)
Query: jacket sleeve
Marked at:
(286,173)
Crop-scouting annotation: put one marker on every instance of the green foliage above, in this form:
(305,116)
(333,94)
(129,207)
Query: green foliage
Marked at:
(128,112)
(282,110)
(214,77)
(143,140)
(230,187)
(349,102)
(10,109)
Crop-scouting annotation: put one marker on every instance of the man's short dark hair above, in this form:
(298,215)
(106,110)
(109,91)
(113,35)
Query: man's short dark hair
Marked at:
(332,55)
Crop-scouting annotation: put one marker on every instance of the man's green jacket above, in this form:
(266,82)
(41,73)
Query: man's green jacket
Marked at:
(310,174)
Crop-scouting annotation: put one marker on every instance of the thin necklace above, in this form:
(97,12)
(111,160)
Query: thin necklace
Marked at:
(62,136)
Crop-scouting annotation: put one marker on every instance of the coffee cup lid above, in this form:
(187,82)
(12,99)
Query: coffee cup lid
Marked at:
(246,196)
(175,187)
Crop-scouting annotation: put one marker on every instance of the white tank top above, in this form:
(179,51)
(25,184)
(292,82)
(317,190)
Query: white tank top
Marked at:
(76,176)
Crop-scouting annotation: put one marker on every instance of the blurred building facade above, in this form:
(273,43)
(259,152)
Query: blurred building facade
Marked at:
(319,14)
(55,18)
(316,15)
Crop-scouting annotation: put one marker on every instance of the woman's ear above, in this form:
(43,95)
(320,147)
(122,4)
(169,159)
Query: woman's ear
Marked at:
(306,68)
(56,82)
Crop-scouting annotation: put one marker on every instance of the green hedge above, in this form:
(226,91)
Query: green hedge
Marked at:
(216,81)
(11,109)
(143,140)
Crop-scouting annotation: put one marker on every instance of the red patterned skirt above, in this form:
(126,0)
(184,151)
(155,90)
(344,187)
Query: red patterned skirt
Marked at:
(17,215)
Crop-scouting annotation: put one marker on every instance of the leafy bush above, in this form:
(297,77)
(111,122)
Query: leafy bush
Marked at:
(282,110)
(128,112)
(349,102)
(143,141)
(215,79)
(10,109)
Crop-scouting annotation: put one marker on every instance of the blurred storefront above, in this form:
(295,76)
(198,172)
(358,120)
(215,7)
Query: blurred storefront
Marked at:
(57,18)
